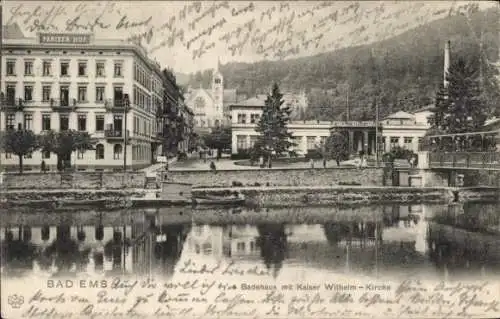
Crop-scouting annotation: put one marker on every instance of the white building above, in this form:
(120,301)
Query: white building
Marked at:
(399,129)
(75,81)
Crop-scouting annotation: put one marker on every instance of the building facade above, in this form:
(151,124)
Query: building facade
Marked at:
(77,82)
(400,129)
(176,117)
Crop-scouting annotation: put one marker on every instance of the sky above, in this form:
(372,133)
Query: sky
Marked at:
(191,36)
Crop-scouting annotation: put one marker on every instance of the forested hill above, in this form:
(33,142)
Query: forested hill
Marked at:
(409,66)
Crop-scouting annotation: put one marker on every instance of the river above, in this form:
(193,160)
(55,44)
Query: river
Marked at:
(391,240)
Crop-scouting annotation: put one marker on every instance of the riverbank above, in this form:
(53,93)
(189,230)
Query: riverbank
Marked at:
(254,196)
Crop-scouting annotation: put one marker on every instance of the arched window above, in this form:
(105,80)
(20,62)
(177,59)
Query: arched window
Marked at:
(99,152)
(117,151)
(217,80)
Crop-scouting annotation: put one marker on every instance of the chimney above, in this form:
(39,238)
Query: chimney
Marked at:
(446,62)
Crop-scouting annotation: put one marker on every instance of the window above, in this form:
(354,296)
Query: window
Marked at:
(82,122)
(11,68)
(64,95)
(82,68)
(45,122)
(64,68)
(47,66)
(28,67)
(45,154)
(99,69)
(11,93)
(242,118)
(82,94)
(64,122)
(99,122)
(240,246)
(28,93)
(99,93)
(99,152)
(79,154)
(118,69)
(217,81)
(408,141)
(241,142)
(254,118)
(8,155)
(46,90)
(10,121)
(118,96)
(28,155)
(394,141)
(117,151)
(28,121)
(311,142)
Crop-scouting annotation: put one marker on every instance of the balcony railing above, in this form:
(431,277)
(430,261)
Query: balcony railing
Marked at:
(63,104)
(116,105)
(13,104)
(115,134)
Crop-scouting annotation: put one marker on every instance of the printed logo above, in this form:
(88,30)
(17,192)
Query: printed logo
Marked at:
(15,301)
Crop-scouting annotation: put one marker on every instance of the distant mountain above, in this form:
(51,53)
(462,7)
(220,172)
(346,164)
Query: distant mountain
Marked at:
(407,68)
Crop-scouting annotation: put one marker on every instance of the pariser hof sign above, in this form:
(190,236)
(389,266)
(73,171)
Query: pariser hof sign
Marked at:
(64,38)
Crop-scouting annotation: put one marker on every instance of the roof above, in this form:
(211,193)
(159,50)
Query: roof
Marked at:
(12,31)
(401,115)
(429,107)
(254,101)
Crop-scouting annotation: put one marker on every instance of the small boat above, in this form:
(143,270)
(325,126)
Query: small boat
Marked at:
(218,200)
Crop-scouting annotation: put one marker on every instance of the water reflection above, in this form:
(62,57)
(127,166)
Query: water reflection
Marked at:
(392,240)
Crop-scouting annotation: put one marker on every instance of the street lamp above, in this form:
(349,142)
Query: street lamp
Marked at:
(126,104)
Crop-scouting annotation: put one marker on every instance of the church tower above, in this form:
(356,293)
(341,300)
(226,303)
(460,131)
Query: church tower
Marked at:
(218,91)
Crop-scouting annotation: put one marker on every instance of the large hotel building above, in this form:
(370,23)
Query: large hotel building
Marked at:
(77,82)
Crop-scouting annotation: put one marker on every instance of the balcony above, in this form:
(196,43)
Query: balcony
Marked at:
(116,105)
(115,134)
(63,105)
(12,104)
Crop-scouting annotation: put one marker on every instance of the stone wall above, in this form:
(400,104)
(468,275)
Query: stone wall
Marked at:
(309,196)
(79,180)
(281,177)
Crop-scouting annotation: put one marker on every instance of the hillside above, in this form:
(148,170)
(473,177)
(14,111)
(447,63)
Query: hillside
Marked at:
(409,66)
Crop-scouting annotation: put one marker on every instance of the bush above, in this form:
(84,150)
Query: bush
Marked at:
(314,154)
(182,156)
(237,184)
(242,154)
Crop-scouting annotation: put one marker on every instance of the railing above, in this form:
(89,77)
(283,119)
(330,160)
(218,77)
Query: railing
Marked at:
(13,104)
(473,160)
(116,104)
(62,103)
(115,134)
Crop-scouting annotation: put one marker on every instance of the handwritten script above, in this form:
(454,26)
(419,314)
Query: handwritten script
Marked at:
(273,30)
(231,290)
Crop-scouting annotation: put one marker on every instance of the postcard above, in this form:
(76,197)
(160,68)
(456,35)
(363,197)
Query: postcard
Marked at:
(250,159)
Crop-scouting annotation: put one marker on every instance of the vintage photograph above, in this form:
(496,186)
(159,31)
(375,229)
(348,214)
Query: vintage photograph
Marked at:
(237,159)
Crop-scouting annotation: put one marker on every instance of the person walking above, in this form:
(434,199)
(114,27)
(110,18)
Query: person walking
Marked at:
(43,167)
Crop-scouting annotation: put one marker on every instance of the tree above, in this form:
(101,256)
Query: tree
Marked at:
(219,139)
(20,143)
(337,146)
(461,106)
(64,143)
(274,136)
